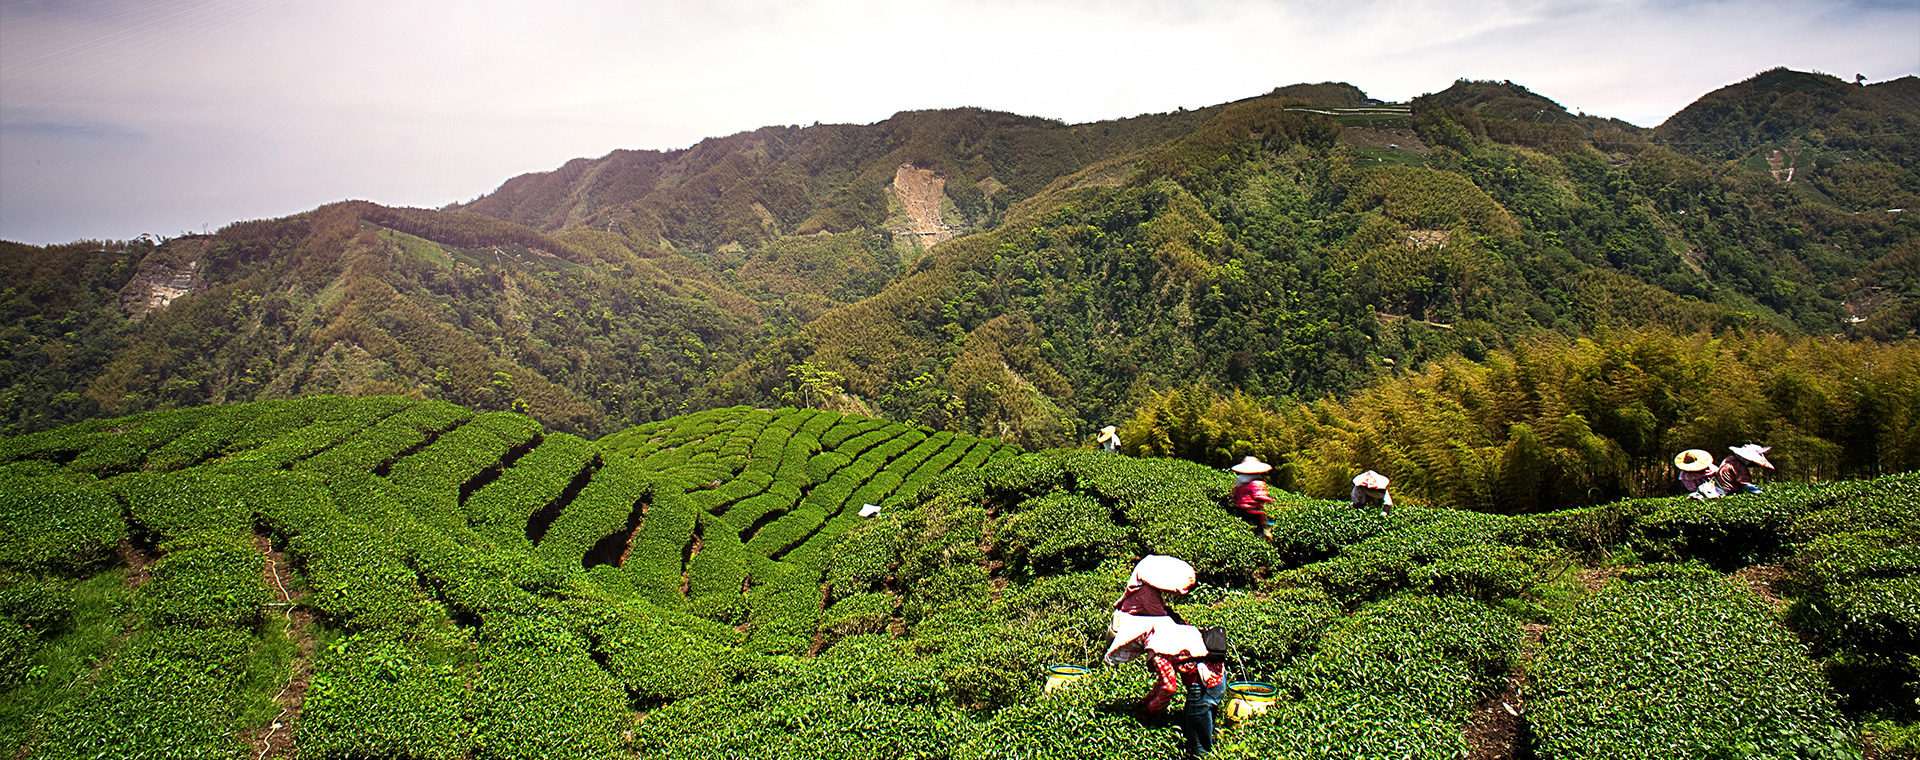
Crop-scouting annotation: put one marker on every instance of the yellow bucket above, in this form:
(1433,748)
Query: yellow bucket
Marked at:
(1062,675)
(1246,699)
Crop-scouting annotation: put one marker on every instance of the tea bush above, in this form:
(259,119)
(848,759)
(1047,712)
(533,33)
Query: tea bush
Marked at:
(1395,679)
(1680,667)
(737,605)
(538,693)
(456,458)
(63,524)
(374,695)
(500,509)
(205,582)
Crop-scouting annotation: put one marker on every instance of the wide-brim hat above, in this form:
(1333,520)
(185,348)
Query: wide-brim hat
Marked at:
(1252,466)
(1693,460)
(1165,573)
(1106,432)
(1371,479)
(1754,453)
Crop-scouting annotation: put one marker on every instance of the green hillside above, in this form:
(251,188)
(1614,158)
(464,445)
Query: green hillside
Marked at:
(335,577)
(1294,246)
(1262,253)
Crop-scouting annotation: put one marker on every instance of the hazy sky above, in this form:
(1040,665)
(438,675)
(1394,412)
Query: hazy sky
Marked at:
(119,117)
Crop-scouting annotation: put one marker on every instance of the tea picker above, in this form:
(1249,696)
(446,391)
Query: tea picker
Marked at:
(1370,490)
(1142,608)
(1193,659)
(1109,439)
(1696,474)
(1736,473)
(1250,495)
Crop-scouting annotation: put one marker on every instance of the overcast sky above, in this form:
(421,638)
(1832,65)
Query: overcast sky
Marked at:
(122,117)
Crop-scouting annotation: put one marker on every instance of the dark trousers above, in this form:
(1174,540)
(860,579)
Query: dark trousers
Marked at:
(1196,721)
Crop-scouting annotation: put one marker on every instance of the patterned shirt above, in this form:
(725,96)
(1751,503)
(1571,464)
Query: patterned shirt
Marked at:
(1175,674)
(1249,498)
(1734,473)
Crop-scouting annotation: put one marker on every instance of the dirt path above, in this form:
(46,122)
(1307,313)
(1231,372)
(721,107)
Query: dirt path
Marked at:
(139,563)
(1763,580)
(1499,729)
(276,739)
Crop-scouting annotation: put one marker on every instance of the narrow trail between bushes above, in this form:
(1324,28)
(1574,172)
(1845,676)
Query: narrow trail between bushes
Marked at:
(1763,581)
(139,563)
(276,738)
(1499,729)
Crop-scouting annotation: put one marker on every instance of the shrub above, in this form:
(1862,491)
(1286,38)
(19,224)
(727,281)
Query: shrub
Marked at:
(500,510)
(1486,572)
(1692,667)
(1062,532)
(205,582)
(169,692)
(457,457)
(538,693)
(178,505)
(58,524)
(205,441)
(1094,718)
(380,696)
(1396,679)
(1268,631)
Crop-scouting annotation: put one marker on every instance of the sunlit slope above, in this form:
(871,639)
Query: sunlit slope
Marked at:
(387,577)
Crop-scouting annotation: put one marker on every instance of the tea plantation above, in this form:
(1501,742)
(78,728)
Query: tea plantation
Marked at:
(334,577)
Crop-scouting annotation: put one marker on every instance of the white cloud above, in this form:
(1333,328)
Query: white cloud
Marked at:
(120,117)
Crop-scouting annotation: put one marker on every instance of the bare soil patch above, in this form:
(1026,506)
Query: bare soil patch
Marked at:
(1398,139)
(1763,580)
(1499,729)
(1593,578)
(139,563)
(920,192)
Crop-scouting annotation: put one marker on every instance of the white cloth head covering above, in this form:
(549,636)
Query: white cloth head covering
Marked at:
(1163,572)
(1754,453)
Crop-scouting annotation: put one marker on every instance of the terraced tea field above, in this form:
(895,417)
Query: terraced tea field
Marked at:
(381,577)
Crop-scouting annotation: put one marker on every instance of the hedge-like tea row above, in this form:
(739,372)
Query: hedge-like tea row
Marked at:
(1396,679)
(500,510)
(374,447)
(456,458)
(1684,667)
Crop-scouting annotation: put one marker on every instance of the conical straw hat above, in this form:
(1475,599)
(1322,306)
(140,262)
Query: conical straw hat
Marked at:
(1693,460)
(1251,466)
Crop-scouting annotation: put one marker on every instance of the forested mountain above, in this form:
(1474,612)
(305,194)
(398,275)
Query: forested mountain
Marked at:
(1012,276)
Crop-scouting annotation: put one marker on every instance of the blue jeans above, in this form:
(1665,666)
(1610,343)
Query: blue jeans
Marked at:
(1196,721)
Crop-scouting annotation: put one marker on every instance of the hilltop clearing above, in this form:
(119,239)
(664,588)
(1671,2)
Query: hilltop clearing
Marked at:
(435,582)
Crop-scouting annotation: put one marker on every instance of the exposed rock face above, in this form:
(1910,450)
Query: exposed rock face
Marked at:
(156,283)
(920,192)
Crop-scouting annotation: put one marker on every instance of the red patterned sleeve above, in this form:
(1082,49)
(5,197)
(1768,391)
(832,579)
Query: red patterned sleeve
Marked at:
(1163,689)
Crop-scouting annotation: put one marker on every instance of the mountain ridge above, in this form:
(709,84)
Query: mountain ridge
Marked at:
(1256,245)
